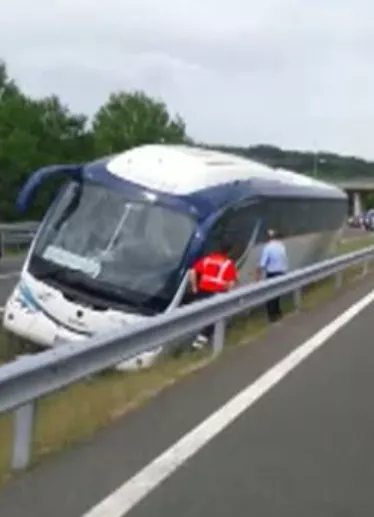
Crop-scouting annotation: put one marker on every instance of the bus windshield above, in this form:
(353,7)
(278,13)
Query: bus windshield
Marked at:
(122,250)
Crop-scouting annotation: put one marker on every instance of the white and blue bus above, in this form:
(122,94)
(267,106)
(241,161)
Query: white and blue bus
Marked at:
(120,235)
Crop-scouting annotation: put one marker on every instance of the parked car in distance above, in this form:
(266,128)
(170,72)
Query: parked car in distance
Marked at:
(369,220)
(356,221)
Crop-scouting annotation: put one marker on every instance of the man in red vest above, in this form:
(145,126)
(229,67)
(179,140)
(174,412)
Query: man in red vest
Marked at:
(212,274)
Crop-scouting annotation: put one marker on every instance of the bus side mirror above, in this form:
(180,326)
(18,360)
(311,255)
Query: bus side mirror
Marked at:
(28,190)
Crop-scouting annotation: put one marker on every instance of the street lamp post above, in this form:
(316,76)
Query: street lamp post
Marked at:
(317,160)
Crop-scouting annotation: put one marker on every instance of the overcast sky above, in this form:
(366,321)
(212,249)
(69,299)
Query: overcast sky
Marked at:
(294,73)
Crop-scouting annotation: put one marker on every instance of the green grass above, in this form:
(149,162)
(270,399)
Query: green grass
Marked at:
(72,415)
(14,251)
(356,243)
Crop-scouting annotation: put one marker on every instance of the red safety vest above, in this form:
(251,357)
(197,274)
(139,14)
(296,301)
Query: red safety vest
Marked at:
(215,272)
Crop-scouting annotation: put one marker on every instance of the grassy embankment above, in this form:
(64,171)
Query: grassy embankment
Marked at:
(74,414)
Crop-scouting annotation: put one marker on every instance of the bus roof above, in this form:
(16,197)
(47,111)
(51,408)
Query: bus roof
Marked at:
(182,169)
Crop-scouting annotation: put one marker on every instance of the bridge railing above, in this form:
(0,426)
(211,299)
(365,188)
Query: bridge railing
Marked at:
(27,379)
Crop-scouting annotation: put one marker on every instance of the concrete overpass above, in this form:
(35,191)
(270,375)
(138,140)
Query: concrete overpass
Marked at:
(356,189)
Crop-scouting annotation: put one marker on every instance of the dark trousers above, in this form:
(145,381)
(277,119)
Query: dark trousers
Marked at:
(207,331)
(195,297)
(273,307)
(203,295)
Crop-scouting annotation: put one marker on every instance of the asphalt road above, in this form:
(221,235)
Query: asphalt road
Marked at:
(353,233)
(305,448)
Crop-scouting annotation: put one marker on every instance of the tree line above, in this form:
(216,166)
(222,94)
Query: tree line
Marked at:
(322,164)
(39,132)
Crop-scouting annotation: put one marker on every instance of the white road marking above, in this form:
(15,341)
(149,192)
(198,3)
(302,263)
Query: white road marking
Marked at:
(12,274)
(120,502)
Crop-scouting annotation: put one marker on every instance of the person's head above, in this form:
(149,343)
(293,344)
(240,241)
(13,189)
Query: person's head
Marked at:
(272,234)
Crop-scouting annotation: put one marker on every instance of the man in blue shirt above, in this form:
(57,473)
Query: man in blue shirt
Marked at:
(273,262)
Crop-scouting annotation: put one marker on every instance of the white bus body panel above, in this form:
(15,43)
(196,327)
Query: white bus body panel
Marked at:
(26,315)
(182,170)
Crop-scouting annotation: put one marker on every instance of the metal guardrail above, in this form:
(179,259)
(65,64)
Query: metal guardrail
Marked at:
(23,381)
(16,235)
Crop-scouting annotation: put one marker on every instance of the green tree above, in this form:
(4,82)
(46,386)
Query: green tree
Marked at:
(63,132)
(7,85)
(131,119)
(33,134)
(330,165)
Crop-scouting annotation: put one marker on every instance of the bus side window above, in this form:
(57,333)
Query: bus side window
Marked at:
(240,228)
(275,216)
(214,238)
(235,227)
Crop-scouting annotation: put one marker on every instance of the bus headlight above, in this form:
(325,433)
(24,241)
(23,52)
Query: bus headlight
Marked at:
(22,299)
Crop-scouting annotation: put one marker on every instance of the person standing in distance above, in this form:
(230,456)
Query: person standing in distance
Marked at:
(273,263)
(212,274)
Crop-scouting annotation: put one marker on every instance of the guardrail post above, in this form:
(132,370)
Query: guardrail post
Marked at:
(338,280)
(365,268)
(2,244)
(219,337)
(22,438)
(297,299)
